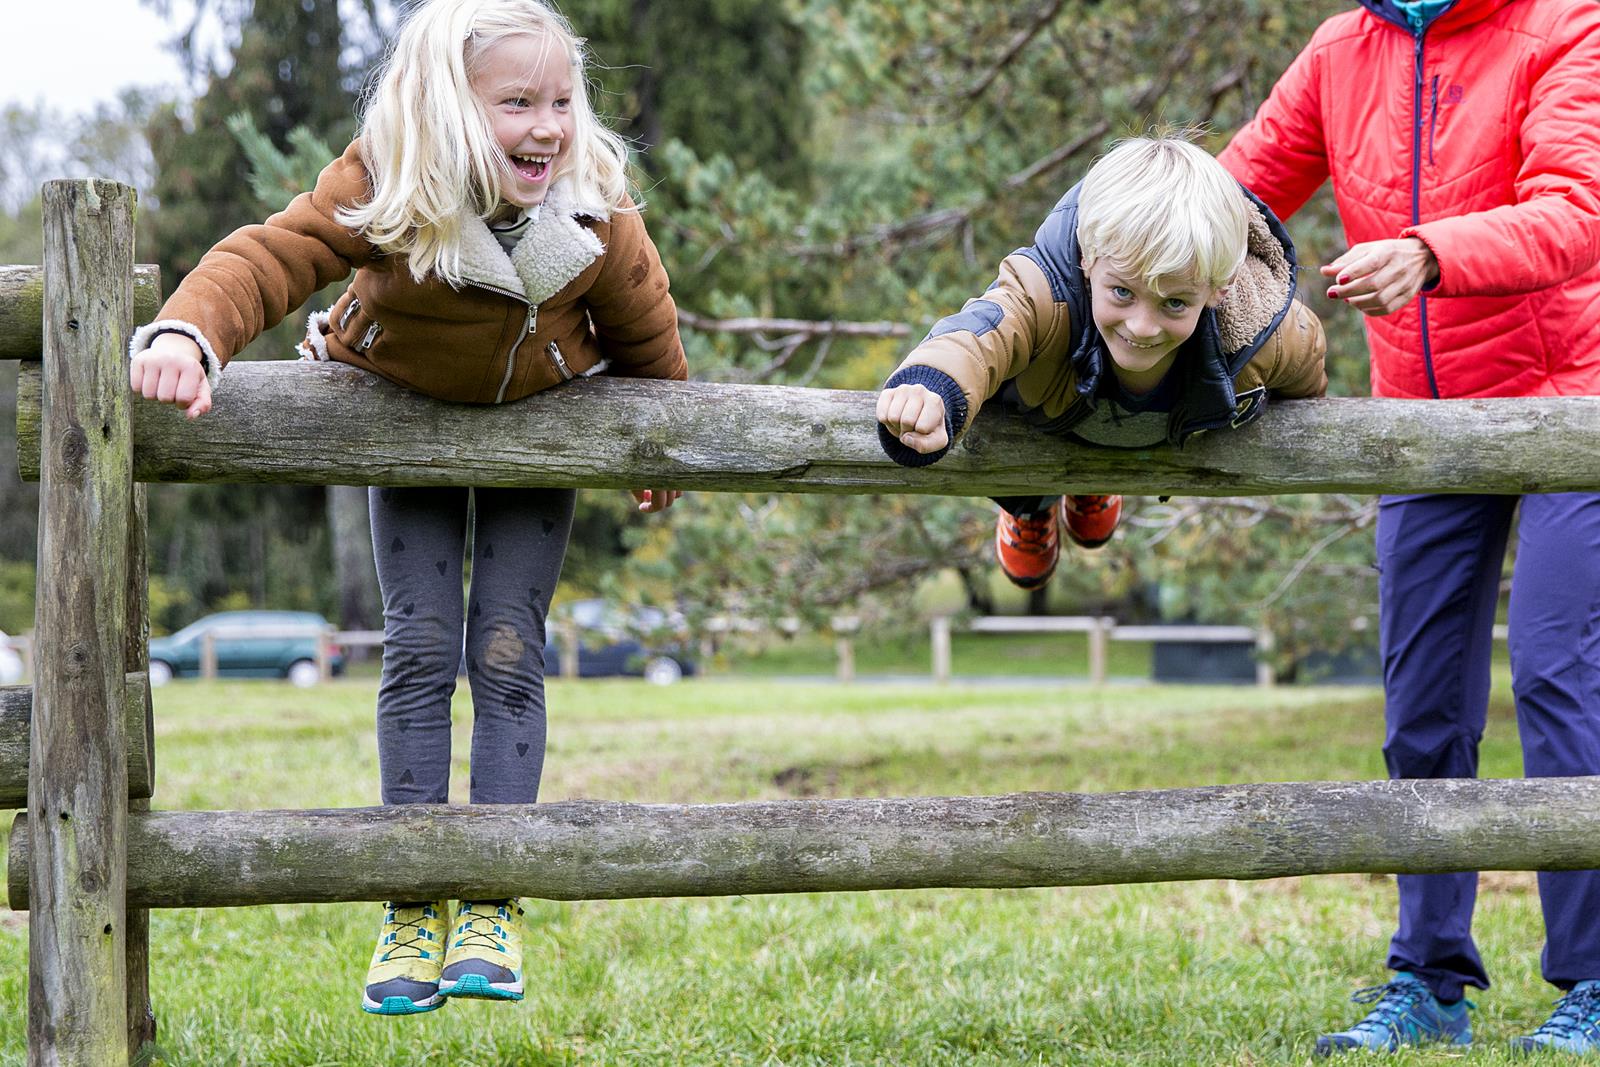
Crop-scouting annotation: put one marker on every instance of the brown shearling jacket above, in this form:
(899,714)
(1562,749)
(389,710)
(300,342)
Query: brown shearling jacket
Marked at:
(576,290)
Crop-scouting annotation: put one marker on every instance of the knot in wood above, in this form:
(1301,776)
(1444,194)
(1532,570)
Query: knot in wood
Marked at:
(649,450)
(75,659)
(74,452)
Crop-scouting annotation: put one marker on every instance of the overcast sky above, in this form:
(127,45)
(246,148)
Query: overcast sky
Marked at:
(72,54)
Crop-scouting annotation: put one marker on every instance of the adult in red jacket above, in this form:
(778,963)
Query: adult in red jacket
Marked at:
(1463,140)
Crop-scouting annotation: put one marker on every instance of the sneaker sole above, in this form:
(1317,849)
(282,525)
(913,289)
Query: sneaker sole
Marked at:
(402,1005)
(477,987)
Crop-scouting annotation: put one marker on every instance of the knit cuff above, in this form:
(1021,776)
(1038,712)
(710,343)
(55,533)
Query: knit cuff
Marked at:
(955,414)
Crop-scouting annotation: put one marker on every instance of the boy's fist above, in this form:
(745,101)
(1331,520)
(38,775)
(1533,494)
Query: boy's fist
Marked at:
(915,415)
(170,371)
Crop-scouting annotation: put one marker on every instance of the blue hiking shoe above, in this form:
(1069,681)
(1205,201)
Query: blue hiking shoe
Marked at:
(1405,1012)
(1573,1027)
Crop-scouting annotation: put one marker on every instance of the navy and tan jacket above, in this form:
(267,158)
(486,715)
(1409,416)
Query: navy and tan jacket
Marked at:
(1030,338)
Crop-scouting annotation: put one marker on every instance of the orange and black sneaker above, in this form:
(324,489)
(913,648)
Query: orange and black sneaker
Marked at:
(1027,547)
(1091,520)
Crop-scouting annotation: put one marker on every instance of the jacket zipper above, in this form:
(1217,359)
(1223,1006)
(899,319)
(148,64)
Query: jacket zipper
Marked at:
(511,360)
(369,337)
(354,306)
(1416,200)
(1433,116)
(559,361)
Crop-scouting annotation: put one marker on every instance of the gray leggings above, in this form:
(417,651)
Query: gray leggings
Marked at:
(419,538)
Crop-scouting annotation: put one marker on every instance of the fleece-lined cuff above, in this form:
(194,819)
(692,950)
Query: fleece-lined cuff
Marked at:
(208,355)
(955,414)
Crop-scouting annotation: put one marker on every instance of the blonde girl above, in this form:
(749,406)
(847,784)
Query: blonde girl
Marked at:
(496,252)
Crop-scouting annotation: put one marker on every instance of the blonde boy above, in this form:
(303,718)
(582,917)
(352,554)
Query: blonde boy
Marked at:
(1188,282)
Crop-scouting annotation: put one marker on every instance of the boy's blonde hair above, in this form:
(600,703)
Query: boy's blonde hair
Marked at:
(1162,208)
(427,142)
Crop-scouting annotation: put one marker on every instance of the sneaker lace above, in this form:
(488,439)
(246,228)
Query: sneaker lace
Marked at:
(1090,505)
(403,934)
(1032,533)
(1392,1000)
(1574,1011)
(468,934)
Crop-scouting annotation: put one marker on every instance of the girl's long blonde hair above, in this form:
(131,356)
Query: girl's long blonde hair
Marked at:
(428,146)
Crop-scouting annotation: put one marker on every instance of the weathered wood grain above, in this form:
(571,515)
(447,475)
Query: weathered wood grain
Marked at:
(586,850)
(77,767)
(16,713)
(328,423)
(141,1015)
(22,306)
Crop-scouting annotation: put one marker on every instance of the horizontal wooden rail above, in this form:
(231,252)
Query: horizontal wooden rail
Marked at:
(325,423)
(22,307)
(16,715)
(589,850)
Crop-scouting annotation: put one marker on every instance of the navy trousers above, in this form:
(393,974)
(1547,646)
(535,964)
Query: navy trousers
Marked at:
(1439,561)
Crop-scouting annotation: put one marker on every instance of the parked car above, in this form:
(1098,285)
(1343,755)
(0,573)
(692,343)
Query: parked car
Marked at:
(603,657)
(10,662)
(249,644)
(642,643)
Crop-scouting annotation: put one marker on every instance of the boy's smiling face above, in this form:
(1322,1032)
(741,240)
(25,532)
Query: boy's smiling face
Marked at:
(1143,328)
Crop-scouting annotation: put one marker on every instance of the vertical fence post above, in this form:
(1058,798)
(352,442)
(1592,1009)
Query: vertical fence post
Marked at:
(1266,677)
(570,634)
(1099,638)
(324,652)
(844,628)
(136,657)
(208,655)
(78,773)
(939,636)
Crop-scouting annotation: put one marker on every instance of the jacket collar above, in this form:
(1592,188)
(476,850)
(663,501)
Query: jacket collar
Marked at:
(1459,14)
(556,248)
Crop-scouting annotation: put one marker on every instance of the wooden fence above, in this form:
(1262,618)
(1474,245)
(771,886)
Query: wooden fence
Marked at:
(87,855)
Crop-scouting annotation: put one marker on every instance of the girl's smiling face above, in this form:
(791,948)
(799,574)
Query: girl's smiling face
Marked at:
(525,86)
(1143,328)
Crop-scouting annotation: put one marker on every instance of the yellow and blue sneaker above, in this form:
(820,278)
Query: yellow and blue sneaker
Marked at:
(404,976)
(484,959)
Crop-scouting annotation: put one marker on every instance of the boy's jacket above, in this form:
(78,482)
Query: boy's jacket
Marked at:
(1033,326)
(575,291)
(1478,134)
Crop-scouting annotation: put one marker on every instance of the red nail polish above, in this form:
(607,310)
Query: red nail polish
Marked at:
(1344,279)
(1333,294)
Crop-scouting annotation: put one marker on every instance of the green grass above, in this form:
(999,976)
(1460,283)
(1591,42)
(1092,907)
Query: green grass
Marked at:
(1208,972)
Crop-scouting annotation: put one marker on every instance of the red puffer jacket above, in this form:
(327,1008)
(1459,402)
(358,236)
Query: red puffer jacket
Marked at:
(1481,136)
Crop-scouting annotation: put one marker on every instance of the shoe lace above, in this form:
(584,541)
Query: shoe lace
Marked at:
(1031,532)
(469,934)
(1574,1011)
(1391,1001)
(404,934)
(1090,505)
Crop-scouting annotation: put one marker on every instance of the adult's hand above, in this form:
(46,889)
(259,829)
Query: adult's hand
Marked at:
(1380,277)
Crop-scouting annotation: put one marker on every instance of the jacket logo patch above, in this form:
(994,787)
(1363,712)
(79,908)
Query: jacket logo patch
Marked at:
(1454,94)
(1248,406)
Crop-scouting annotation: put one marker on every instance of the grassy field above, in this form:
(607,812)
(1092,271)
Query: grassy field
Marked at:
(1210,972)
